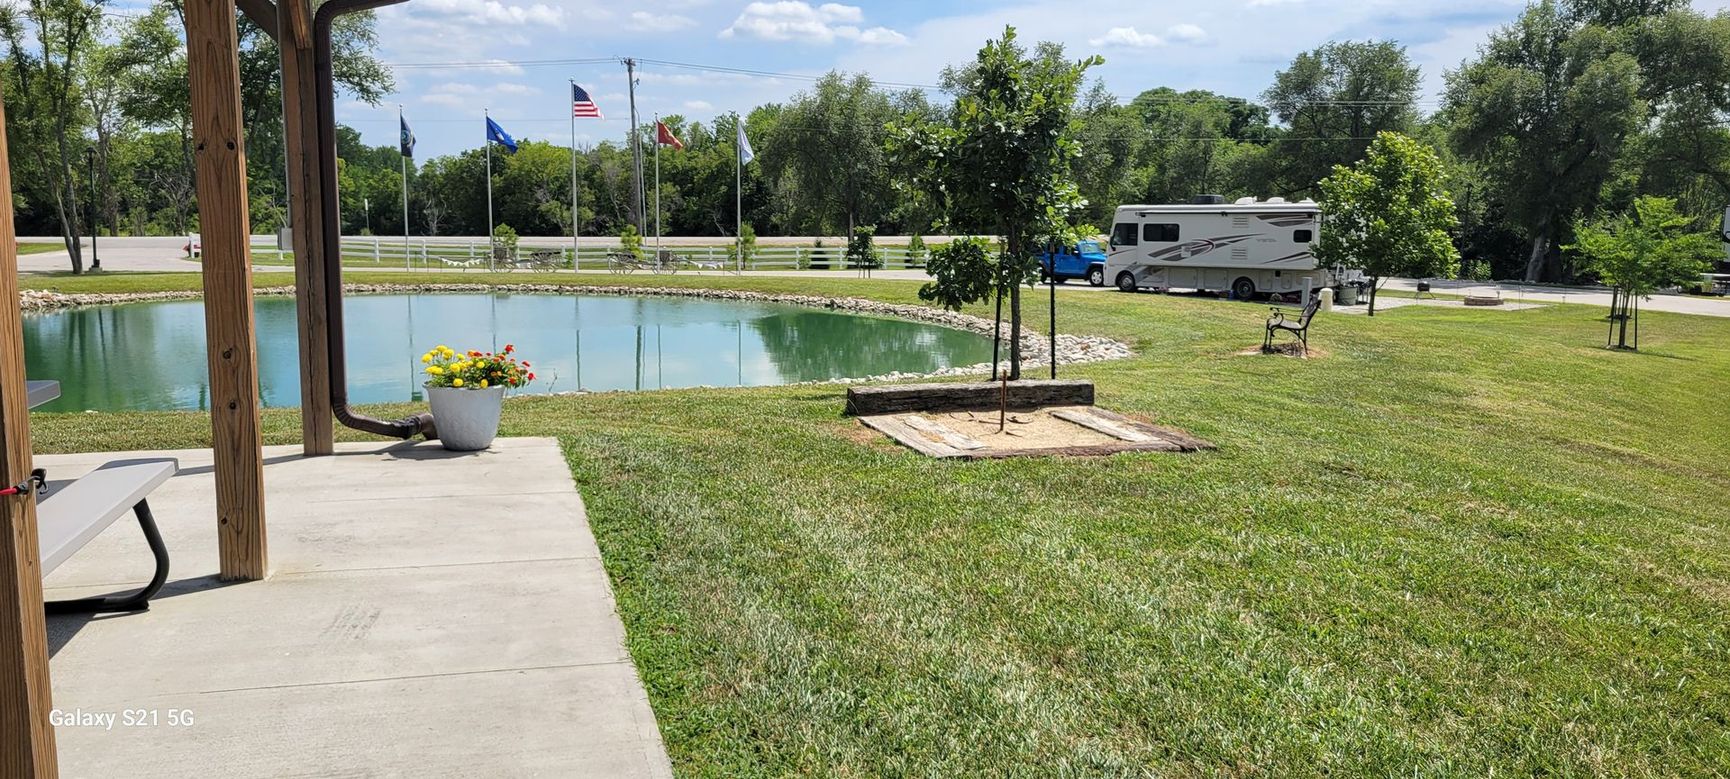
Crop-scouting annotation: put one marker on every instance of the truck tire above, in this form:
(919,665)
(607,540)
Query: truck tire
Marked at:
(1126,282)
(1243,288)
(1096,275)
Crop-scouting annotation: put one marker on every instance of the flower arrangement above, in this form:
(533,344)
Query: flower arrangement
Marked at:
(445,367)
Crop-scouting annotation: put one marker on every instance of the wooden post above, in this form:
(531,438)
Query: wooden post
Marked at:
(25,698)
(213,65)
(317,429)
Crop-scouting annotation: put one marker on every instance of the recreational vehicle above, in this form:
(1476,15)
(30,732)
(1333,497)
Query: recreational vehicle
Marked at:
(1250,247)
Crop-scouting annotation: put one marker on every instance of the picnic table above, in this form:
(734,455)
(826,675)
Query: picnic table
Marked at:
(40,392)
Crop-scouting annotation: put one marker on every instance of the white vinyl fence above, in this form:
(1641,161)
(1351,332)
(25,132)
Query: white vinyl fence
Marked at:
(460,254)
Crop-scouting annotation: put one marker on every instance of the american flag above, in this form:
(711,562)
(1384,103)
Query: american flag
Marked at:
(582,106)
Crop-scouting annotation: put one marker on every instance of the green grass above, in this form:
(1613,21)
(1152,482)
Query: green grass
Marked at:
(1460,543)
(40,248)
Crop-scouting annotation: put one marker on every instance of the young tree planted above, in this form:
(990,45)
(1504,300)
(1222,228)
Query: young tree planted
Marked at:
(999,161)
(1389,214)
(1649,248)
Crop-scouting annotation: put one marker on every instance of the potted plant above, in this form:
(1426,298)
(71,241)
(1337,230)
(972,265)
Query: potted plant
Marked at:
(467,391)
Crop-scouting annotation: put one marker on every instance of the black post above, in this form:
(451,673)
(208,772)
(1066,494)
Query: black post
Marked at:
(90,167)
(1051,283)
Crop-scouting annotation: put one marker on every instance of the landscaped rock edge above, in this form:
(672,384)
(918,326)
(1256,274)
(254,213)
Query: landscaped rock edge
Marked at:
(1035,346)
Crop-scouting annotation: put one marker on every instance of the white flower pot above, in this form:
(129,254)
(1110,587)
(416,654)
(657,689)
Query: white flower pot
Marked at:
(467,419)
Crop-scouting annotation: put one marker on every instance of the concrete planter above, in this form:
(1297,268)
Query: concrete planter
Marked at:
(468,419)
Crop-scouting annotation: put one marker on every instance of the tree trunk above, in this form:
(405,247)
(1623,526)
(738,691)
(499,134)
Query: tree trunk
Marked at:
(997,332)
(1540,249)
(1014,257)
(1375,284)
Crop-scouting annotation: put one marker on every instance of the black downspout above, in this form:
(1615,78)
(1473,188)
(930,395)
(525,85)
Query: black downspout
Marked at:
(408,427)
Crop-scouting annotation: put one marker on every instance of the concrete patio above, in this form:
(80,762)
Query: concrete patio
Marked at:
(427,614)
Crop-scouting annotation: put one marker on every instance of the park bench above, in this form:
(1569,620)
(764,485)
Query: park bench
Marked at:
(1277,322)
(72,513)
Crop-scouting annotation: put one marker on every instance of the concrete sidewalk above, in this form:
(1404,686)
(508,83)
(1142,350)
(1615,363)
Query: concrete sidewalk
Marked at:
(428,614)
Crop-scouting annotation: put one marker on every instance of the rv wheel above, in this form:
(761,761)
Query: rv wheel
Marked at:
(1096,276)
(1243,289)
(1126,282)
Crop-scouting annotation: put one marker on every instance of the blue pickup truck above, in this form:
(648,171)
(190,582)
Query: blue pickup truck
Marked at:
(1085,260)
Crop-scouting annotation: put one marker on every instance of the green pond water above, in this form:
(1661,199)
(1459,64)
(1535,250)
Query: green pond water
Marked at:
(150,356)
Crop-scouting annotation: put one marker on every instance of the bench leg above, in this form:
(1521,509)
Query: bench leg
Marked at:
(1267,341)
(138,601)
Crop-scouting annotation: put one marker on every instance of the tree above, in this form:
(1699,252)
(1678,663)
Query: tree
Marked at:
(47,49)
(1334,101)
(1001,159)
(1545,111)
(1649,248)
(1389,214)
(827,145)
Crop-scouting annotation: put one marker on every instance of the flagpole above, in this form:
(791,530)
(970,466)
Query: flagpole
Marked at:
(657,188)
(405,247)
(489,175)
(575,258)
(739,190)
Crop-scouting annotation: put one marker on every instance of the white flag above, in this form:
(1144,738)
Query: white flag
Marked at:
(745,153)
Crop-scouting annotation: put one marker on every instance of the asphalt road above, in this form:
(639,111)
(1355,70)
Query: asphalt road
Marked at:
(167,254)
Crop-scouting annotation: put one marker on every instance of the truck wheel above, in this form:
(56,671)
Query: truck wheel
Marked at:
(1243,289)
(1126,282)
(1096,276)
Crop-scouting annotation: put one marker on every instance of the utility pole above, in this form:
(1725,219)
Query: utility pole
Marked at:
(636,146)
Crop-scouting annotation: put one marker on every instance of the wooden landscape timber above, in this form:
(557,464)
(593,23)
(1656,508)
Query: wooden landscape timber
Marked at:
(971,396)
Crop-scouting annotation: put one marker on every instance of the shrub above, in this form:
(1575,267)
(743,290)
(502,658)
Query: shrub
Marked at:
(916,251)
(743,250)
(504,242)
(861,249)
(632,241)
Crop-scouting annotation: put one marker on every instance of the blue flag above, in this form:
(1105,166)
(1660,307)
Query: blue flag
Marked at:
(406,144)
(497,135)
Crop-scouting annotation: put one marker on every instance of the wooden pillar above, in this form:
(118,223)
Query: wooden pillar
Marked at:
(213,65)
(300,114)
(26,738)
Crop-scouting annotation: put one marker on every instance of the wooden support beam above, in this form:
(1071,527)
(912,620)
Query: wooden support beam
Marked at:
(300,21)
(261,13)
(213,65)
(306,217)
(25,698)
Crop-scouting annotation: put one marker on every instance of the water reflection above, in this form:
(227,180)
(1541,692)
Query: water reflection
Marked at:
(151,355)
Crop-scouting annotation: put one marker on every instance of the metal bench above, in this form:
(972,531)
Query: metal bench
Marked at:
(1277,322)
(72,513)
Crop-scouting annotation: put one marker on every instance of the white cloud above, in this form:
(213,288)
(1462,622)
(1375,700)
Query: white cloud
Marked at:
(643,21)
(1188,33)
(494,12)
(797,21)
(882,36)
(1128,37)
(698,105)
(515,89)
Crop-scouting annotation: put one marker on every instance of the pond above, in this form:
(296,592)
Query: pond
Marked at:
(150,356)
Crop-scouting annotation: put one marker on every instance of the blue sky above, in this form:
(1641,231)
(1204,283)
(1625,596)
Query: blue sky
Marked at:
(1230,46)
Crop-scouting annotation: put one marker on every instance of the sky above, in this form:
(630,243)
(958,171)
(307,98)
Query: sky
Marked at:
(455,59)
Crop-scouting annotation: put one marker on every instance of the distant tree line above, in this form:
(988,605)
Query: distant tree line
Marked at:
(1571,112)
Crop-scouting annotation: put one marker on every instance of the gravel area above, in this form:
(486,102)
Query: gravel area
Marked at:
(1035,346)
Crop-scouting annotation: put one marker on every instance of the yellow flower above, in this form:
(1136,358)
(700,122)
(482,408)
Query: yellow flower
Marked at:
(483,383)
(426,357)
(456,382)
(435,370)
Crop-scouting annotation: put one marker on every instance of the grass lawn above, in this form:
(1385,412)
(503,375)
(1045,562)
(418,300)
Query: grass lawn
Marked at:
(1461,543)
(40,248)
